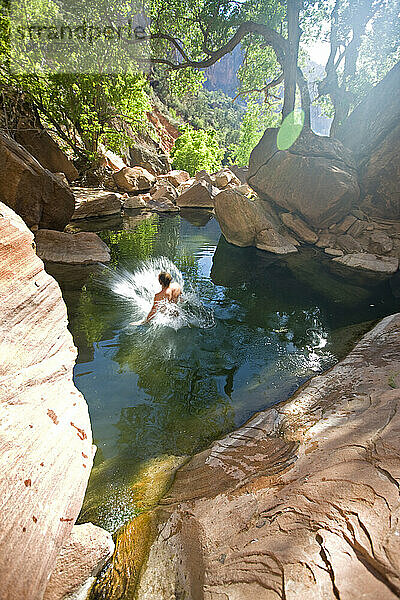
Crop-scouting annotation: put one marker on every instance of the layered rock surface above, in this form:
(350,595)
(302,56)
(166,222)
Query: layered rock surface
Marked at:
(301,502)
(83,248)
(34,193)
(46,442)
(315,177)
(372,132)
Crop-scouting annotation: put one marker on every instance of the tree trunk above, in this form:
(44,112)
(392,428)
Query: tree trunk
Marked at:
(290,66)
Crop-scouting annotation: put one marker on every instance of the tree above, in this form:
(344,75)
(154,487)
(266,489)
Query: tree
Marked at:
(197,150)
(196,33)
(358,27)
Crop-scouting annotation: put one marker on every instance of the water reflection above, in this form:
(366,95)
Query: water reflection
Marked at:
(277,322)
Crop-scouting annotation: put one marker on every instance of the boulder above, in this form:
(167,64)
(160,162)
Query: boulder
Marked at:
(80,559)
(224,177)
(300,228)
(380,242)
(347,222)
(133,179)
(177,177)
(162,205)
(246,222)
(71,248)
(136,202)
(299,503)
(333,252)
(198,195)
(148,154)
(165,191)
(41,146)
(386,265)
(38,196)
(109,159)
(95,203)
(348,244)
(204,176)
(46,447)
(315,177)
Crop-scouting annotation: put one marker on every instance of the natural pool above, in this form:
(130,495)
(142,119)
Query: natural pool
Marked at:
(157,397)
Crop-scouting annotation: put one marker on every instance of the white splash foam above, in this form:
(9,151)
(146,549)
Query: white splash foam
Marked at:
(139,287)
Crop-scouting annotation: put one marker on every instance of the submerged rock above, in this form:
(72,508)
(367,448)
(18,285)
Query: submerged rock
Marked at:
(386,265)
(315,177)
(71,248)
(46,441)
(299,227)
(301,502)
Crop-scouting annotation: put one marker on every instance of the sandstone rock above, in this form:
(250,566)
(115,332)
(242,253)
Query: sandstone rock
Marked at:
(198,195)
(245,189)
(272,241)
(37,195)
(246,222)
(185,186)
(162,205)
(71,248)
(224,178)
(299,227)
(333,252)
(148,154)
(347,222)
(80,559)
(46,151)
(326,240)
(357,228)
(203,176)
(136,202)
(369,262)
(301,502)
(315,178)
(133,179)
(46,443)
(177,177)
(380,243)
(109,159)
(165,191)
(240,172)
(372,131)
(62,177)
(95,203)
(348,244)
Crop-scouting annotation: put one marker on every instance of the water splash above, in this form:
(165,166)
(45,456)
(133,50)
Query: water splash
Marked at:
(138,288)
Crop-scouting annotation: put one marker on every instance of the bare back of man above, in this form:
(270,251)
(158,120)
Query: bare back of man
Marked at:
(171,292)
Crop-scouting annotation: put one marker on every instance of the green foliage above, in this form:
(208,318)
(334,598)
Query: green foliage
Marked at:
(197,150)
(257,118)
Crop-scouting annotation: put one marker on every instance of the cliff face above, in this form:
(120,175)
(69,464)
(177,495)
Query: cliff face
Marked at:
(301,502)
(45,442)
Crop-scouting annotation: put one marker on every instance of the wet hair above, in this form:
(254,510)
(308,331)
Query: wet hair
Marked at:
(164,278)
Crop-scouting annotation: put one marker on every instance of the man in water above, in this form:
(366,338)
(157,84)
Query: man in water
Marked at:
(170,292)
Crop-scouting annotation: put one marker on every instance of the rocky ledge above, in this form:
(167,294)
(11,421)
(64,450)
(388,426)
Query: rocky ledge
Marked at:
(46,449)
(301,502)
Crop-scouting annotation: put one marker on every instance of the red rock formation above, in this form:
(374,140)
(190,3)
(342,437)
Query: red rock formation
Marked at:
(300,503)
(168,133)
(46,441)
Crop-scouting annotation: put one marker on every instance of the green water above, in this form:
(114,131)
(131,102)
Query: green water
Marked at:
(278,321)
